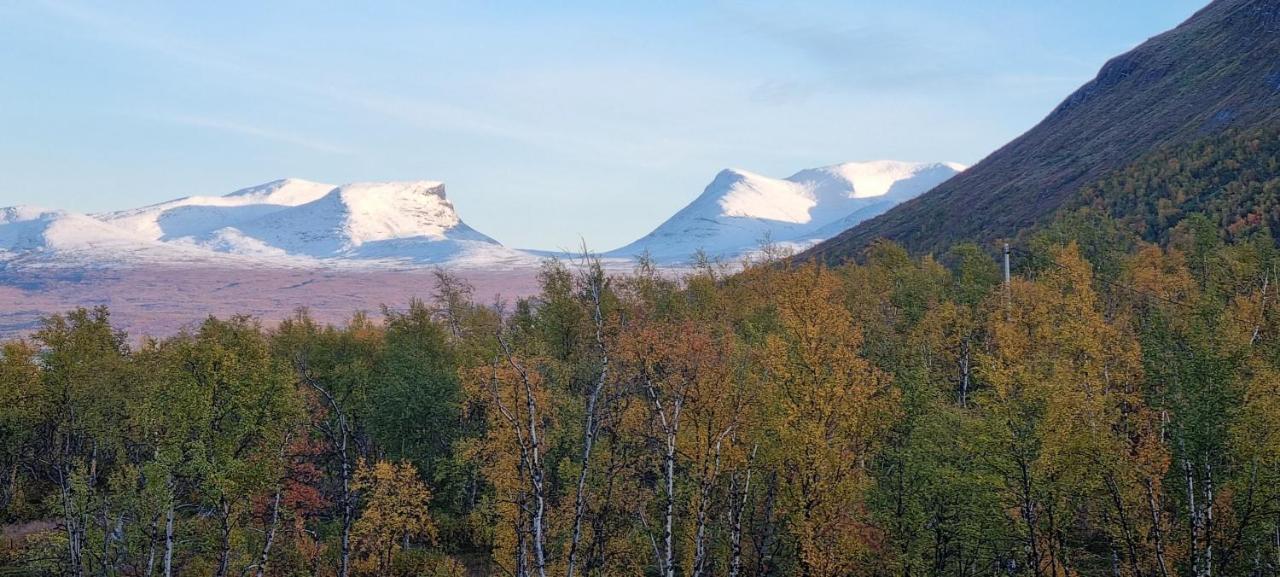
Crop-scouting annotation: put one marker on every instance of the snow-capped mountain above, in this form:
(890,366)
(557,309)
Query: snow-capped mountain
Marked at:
(401,221)
(297,223)
(197,216)
(739,209)
(32,229)
(42,237)
(287,222)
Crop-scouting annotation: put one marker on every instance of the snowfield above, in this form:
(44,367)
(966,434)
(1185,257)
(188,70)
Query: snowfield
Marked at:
(295,223)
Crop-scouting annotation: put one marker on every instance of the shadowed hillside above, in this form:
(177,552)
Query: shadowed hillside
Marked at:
(1219,69)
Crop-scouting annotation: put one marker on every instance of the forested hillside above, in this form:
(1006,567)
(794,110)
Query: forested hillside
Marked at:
(1232,178)
(1108,412)
(1218,71)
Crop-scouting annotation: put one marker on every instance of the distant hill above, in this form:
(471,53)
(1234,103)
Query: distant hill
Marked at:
(1219,70)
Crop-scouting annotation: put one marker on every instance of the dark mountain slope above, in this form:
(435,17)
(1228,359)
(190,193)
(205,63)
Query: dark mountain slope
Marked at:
(1219,69)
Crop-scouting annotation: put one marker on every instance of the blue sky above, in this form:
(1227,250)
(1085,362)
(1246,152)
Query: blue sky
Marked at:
(547,121)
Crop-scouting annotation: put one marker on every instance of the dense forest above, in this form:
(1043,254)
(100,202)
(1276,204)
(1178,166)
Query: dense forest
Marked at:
(1112,410)
(1233,178)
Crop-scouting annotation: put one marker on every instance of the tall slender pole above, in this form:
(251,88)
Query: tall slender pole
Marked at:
(1006,263)
(1008,288)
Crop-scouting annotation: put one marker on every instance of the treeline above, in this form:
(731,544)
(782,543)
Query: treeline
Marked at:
(1105,413)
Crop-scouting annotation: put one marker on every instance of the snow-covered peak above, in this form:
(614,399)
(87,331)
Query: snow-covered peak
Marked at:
(10,214)
(285,192)
(385,210)
(393,189)
(363,220)
(749,195)
(741,208)
(867,179)
(33,229)
(193,217)
(23,227)
(364,212)
(820,195)
(842,189)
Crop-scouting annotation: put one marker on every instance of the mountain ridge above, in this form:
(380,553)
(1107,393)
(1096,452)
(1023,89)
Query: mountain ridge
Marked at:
(294,222)
(1218,69)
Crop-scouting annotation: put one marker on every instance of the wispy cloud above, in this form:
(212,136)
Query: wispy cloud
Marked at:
(414,110)
(521,110)
(254,132)
(870,51)
(902,51)
(780,92)
(115,29)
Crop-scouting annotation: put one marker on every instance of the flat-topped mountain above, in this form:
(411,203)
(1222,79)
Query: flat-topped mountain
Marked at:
(288,222)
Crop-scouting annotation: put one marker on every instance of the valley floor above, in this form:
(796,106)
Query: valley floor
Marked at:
(160,301)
